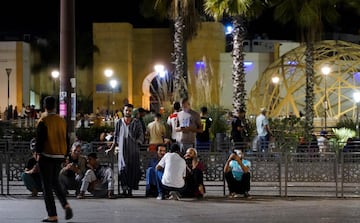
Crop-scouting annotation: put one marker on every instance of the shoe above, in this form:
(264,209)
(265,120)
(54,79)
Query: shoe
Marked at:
(160,197)
(81,195)
(49,220)
(34,192)
(174,195)
(232,195)
(237,195)
(247,195)
(68,213)
(111,195)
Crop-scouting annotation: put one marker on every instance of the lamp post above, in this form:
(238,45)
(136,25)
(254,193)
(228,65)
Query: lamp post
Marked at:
(8,72)
(326,71)
(113,84)
(55,74)
(356,96)
(108,73)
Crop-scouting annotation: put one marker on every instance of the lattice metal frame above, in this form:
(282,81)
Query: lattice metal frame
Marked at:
(288,96)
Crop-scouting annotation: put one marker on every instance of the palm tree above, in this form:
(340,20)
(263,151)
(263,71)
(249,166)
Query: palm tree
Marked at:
(308,16)
(184,14)
(238,10)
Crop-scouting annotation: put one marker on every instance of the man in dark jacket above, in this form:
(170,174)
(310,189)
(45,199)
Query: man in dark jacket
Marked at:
(51,146)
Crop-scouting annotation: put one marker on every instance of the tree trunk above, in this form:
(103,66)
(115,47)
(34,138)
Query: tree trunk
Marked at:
(179,57)
(238,74)
(309,98)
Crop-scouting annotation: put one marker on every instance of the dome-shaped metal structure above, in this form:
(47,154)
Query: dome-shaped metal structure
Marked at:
(288,95)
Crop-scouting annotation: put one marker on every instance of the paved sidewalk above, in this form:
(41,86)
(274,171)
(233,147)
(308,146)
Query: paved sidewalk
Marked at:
(21,209)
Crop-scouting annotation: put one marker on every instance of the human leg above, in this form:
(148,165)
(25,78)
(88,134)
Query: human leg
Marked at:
(46,172)
(28,180)
(87,179)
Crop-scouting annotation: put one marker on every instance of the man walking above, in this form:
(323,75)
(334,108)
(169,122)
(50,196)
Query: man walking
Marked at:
(51,146)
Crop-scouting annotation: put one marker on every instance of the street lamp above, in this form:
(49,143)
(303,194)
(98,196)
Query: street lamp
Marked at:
(160,70)
(356,96)
(113,84)
(326,71)
(8,72)
(55,74)
(108,73)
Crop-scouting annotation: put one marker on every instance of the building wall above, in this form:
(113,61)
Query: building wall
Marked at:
(115,41)
(132,54)
(14,55)
(206,47)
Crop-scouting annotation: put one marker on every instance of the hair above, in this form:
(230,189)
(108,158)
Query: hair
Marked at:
(129,105)
(159,146)
(195,151)
(177,106)
(75,145)
(204,109)
(92,155)
(49,103)
(158,115)
(184,100)
(175,148)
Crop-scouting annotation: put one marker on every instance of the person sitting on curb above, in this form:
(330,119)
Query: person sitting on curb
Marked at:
(31,174)
(174,172)
(98,179)
(237,174)
(151,184)
(194,175)
(74,170)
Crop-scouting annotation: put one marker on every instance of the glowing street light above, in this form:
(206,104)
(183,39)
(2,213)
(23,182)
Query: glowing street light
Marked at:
(326,71)
(160,70)
(113,84)
(55,75)
(275,80)
(108,73)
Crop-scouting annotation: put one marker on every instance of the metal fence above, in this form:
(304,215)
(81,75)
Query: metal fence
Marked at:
(279,172)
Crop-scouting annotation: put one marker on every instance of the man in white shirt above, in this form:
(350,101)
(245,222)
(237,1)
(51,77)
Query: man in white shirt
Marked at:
(189,125)
(173,122)
(263,130)
(172,181)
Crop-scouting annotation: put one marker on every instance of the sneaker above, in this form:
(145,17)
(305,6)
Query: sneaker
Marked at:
(174,195)
(160,197)
(247,195)
(232,195)
(237,195)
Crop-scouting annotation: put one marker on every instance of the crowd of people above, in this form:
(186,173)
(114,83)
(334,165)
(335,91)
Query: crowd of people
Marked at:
(175,172)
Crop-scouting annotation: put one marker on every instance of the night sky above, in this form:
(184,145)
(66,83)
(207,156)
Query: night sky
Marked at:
(42,16)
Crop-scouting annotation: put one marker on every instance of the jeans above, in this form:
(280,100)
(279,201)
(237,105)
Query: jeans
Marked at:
(31,181)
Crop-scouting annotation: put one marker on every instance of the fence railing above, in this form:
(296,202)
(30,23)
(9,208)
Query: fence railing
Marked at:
(279,172)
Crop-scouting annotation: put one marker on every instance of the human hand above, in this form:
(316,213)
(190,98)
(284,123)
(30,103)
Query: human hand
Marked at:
(108,151)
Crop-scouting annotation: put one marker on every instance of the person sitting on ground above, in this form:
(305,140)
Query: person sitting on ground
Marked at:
(194,175)
(237,174)
(98,179)
(174,172)
(151,184)
(73,170)
(31,174)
